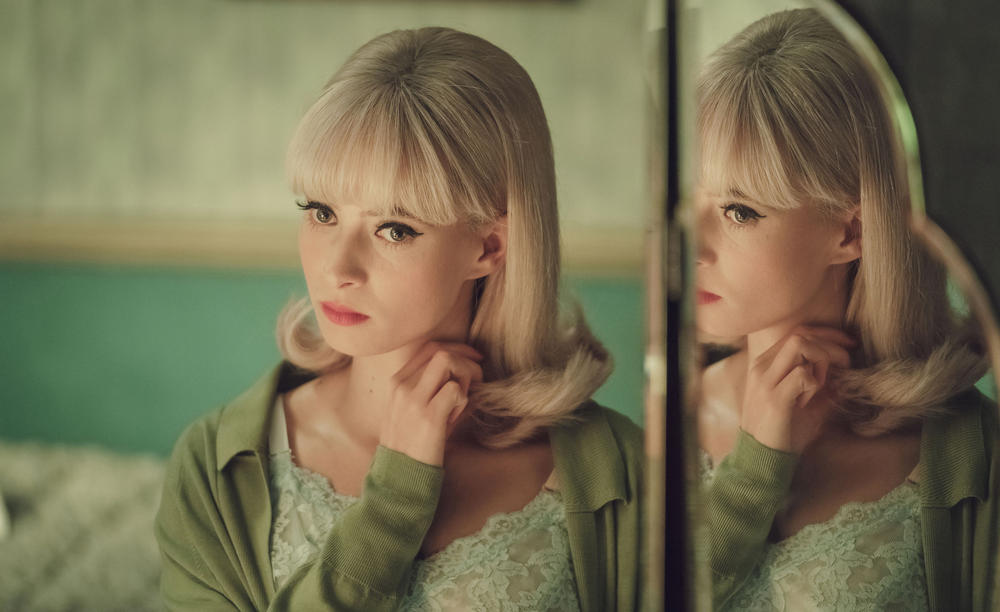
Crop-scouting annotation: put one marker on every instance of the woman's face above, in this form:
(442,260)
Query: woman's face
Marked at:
(381,283)
(760,267)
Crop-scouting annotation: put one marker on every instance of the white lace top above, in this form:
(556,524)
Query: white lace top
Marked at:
(869,556)
(517,561)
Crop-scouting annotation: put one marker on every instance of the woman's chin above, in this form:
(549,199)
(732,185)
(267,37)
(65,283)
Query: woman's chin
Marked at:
(350,347)
(370,347)
(708,331)
(713,337)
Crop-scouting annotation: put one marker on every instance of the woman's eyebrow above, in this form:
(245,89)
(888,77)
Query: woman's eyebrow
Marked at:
(395,211)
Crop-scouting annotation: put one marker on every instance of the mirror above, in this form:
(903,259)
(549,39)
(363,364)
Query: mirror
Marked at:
(843,342)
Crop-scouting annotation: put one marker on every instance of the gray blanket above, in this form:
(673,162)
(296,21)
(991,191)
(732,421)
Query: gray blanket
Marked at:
(81,523)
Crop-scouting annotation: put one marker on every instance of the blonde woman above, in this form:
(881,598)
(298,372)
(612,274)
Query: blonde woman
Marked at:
(852,451)
(429,442)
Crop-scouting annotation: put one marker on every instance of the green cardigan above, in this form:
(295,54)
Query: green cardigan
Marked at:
(214,521)
(958,499)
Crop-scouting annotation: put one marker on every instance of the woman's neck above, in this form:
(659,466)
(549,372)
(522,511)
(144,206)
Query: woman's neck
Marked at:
(827,308)
(357,396)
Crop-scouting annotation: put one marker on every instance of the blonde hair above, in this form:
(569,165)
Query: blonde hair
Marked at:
(789,114)
(449,128)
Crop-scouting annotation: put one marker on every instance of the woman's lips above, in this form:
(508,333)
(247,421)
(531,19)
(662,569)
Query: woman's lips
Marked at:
(704,297)
(342,315)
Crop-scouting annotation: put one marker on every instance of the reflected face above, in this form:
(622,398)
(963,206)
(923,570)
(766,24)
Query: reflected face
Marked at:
(381,283)
(759,267)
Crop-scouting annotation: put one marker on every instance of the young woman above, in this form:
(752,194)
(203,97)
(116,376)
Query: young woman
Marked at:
(428,442)
(852,452)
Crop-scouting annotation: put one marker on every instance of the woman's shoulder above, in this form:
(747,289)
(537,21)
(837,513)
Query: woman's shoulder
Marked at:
(970,409)
(599,456)
(957,449)
(973,406)
(594,417)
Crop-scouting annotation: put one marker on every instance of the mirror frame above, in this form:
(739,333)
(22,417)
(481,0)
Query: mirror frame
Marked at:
(676,575)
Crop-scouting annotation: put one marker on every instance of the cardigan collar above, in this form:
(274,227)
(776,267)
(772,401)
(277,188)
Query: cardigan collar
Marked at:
(245,422)
(588,462)
(954,452)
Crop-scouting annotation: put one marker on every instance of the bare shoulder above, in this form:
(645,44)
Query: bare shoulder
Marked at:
(314,412)
(719,405)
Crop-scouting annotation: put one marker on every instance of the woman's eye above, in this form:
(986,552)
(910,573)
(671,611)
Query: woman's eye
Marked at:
(740,214)
(396,233)
(319,213)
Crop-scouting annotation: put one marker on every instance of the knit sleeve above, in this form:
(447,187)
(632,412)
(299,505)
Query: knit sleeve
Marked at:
(749,487)
(367,558)
(364,564)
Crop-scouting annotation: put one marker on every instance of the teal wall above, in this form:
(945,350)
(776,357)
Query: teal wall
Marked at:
(125,357)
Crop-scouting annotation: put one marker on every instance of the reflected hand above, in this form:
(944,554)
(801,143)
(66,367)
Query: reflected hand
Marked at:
(778,410)
(429,394)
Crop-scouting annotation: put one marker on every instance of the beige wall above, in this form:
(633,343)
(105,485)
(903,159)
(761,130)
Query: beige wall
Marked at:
(137,111)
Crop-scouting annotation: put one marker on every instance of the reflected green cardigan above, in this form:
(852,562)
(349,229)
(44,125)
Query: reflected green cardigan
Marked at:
(958,506)
(214,521)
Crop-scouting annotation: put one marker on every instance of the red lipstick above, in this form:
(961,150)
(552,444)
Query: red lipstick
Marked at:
(704,297)
(342,315)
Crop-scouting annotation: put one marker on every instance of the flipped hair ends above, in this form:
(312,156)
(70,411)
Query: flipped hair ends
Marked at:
(450,128)
(789,114)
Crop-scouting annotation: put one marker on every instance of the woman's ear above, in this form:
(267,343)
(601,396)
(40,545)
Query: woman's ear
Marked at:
(493,238)
(848,246)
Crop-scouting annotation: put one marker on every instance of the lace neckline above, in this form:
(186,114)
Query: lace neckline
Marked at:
(904,493)
(907,492)
(281,449)
(505,520)
(868,556)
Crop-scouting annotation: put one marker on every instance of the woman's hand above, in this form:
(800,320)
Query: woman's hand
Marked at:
(777,401)
(429,394)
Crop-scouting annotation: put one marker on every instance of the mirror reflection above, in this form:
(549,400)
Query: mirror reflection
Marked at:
(845,447)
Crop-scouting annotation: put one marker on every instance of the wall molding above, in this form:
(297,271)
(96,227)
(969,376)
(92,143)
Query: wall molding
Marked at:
(265,245)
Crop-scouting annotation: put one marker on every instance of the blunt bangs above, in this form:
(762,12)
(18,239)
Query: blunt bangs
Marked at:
(772,141)
(738,158)
(391,151)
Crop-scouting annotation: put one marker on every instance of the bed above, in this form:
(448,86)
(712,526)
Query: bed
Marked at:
(80,529)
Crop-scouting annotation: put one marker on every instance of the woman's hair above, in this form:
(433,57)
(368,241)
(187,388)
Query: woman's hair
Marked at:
(449,128)
(789,114)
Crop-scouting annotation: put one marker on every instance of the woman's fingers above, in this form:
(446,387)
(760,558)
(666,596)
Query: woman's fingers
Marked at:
(785,378)
(798,386)
(795,350)
(835,342)
(772,366)
(430,391)
(442,368)
(830,334)
(427,352)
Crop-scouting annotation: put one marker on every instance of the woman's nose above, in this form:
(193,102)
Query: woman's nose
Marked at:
(346,257)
